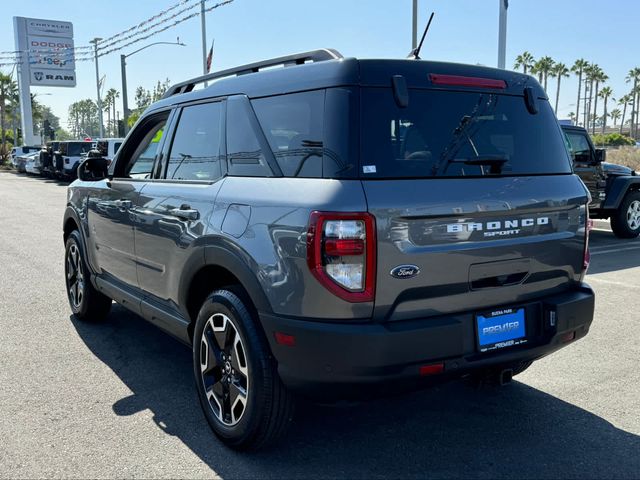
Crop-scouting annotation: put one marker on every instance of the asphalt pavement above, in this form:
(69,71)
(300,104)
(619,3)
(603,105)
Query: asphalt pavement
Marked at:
(117,399)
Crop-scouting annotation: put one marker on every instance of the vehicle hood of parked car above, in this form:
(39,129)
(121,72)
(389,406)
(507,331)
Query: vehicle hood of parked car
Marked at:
(617,170)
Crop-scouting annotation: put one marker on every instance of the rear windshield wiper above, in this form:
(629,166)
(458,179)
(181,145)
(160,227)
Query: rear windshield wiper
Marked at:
(496,162)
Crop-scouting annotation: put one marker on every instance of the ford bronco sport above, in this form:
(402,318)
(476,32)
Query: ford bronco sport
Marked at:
(334,227)
(615,189)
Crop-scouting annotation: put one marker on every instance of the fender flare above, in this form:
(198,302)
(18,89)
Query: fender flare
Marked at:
(618,189)
(230,257)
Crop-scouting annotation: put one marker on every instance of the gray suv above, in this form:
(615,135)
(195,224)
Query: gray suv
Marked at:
(336,228)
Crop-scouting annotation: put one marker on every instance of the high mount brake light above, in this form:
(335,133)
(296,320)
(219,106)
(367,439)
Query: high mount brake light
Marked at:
(341,253)
(460,81)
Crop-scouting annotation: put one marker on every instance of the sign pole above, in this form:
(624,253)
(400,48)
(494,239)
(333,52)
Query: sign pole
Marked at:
(26,114)
(502,34)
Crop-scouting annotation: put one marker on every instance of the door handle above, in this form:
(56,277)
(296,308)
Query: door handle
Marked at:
(123,204)
(185,212)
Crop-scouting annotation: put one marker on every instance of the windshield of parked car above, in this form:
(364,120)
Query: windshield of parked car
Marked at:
(453,133)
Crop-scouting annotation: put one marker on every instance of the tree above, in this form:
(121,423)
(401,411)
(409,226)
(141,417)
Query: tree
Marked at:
(578,68)
(572,117)
(599,77)
(615,115)
(525,61)
(624,101)
(633,76)
(83,118)
(604,94)
(559,70)
(543,68)
(590,71)
(144,98)
(5,86)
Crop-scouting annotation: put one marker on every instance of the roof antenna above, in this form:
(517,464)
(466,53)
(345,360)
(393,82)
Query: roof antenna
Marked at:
(415,53)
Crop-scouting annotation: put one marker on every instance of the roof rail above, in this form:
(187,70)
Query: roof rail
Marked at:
(320,55)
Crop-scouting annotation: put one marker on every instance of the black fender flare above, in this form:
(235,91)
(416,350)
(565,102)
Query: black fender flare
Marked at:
(223,254)
(618,189)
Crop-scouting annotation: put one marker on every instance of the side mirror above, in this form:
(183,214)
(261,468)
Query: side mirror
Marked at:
(93,169)
(601,155)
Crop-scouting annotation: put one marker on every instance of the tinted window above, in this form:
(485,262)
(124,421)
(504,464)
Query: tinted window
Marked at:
(445,133)
(75,149)
(245,154)
(579,146)
(293,125)
(195,152)
(116,147)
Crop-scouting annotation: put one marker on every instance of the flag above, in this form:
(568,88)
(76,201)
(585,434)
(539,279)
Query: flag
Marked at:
(210,57)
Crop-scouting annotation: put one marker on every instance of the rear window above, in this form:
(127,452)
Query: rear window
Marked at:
(453,134)
(75,149)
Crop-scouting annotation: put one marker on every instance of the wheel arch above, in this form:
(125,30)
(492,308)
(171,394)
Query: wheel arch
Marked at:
(618,189)
(221,268)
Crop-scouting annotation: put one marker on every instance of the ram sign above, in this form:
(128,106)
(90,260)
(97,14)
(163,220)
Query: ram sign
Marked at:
(48,47)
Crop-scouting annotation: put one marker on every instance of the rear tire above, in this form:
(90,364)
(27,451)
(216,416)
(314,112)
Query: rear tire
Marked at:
(625,221)
(238,386)
(87,303)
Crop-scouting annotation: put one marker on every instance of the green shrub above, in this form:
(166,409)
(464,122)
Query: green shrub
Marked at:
(612,140)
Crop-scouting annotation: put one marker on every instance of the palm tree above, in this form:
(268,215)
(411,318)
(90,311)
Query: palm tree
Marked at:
(6,85)
(106,106)
(543,68)
(599,77)
(633,76)
(559,70)
(524,60)
(114,95)
(578,68)
(624,101)
(615,115)
(605,93)
(572,117)
(590,72)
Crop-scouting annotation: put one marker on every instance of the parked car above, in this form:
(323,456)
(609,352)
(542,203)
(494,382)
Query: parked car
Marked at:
(20,151)
(337,228)
(615,189)
(47,158)
(68,157)
(33,165)
(108,147)
(22,160)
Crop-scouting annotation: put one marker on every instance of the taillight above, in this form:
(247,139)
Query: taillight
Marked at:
(341,253)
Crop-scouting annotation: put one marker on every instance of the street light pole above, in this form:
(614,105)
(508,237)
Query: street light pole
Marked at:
(502,34)
(125,102)
(95,51)
(123,71)
(414,26)
(203,24)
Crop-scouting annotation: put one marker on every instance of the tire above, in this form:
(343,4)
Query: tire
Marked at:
(87,303)
(238,386)
(625,221)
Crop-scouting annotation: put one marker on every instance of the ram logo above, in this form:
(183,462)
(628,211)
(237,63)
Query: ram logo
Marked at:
(38,76)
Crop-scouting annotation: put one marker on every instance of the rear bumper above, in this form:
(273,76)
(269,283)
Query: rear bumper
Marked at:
(339,360)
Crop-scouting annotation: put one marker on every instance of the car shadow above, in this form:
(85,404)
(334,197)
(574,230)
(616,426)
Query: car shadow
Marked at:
(609,253)
(447,431)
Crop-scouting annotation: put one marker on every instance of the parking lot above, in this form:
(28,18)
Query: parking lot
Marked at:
(117,399)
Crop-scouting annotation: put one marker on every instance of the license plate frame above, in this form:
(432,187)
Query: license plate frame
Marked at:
(501,328)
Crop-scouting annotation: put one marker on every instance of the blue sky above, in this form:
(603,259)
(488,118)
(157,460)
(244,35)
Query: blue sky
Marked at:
(247,30)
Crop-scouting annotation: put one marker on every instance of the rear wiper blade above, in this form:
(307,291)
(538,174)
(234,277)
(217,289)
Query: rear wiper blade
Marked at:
(494,161)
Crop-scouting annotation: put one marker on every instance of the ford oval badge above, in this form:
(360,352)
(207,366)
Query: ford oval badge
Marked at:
(405,271)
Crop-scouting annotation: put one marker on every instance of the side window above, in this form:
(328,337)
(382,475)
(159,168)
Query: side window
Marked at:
(293,125)
(244,152)
(580,149)
(195,151)
(140,151)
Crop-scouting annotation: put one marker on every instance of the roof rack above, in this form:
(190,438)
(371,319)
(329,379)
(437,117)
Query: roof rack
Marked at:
(320,55)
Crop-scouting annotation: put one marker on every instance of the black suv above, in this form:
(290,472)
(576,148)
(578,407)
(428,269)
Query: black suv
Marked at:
(615,189)
(336,227)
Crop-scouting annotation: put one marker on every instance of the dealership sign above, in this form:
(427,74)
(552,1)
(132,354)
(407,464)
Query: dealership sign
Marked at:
(48,48)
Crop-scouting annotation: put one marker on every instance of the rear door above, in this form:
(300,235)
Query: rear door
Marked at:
(173,209)
(474,200)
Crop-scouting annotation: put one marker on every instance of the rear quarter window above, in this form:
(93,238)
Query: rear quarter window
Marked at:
(454,133)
